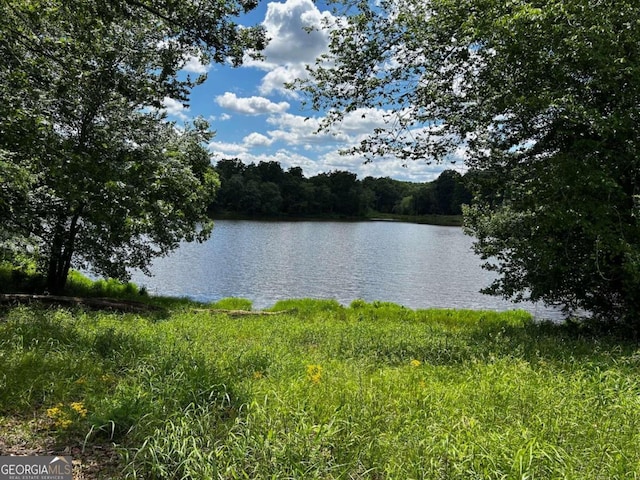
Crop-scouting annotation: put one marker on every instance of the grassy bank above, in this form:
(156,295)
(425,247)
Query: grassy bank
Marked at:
(323,391)
(440,220)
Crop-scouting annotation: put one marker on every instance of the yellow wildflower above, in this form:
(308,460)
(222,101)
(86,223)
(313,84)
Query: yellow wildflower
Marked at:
(314,373)
(79,408)
(63,423)
(257,375)
(59,416)
(64,415)
(415,363)
(55,412)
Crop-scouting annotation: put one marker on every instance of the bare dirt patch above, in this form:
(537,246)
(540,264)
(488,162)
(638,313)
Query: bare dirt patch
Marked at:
(33,437)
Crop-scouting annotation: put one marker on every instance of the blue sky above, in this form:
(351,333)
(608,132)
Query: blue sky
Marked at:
(257,119)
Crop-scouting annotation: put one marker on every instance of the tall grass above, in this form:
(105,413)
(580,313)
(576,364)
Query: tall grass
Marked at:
(325,391)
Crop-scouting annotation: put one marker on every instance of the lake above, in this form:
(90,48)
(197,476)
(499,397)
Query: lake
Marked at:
(418,266)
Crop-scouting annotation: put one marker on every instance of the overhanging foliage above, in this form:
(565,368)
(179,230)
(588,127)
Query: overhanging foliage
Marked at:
(543,100)
(92,172)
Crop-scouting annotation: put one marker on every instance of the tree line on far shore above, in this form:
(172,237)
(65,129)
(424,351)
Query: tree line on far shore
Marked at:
(266,189)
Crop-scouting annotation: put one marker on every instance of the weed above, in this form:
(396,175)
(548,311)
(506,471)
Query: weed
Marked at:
(233,304)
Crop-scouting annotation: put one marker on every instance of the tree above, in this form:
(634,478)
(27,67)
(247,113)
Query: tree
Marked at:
(542,98)
(449,193)
(345,189)
(270,172)
(270,198)
(425,200)
(294,193)
(251,200)
(387,192)
(99,179)
(231,189)
(229,167)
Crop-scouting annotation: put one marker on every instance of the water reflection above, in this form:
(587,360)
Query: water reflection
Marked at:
(418,266)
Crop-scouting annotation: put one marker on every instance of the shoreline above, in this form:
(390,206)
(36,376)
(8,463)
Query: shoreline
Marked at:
(437,220)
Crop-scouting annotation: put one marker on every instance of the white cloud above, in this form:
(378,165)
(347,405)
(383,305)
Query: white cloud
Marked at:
(250,105)
(294,30)
(226,149)
(257,139)
(175,108)
(275,80)
(417,171)
(299,130)
(363,121)
(223,117)
(296,38)
(295,129)
(194,65)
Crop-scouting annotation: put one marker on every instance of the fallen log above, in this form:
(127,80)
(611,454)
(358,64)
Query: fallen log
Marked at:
(238,313)
(98,303)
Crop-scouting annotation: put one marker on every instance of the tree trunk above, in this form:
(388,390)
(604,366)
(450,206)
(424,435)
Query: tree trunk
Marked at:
(61,254)
(54,283)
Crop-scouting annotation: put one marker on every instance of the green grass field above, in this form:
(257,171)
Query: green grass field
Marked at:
(370,391)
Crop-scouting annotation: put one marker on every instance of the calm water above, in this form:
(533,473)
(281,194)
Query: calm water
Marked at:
(418,266)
